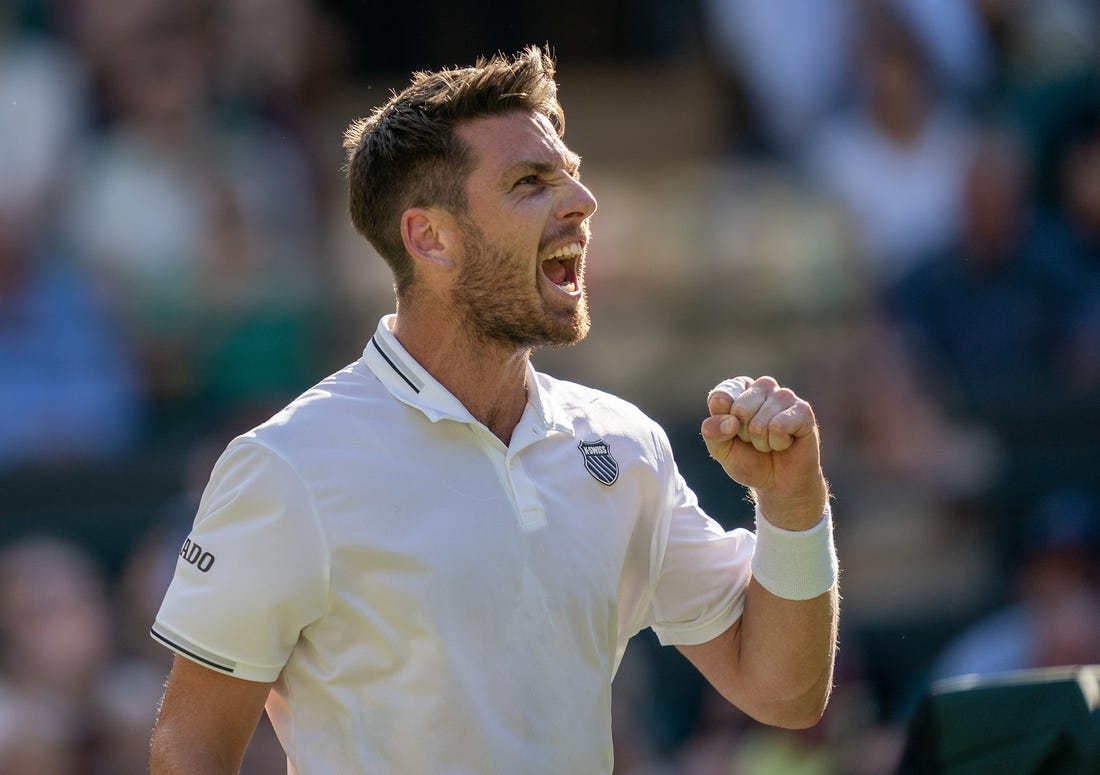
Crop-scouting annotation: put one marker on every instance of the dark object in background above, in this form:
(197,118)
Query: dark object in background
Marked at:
(1031,722)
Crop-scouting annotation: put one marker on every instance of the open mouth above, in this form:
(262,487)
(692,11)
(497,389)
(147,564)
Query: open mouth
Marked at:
(560,267)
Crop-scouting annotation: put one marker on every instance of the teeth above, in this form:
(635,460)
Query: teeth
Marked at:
(566,251)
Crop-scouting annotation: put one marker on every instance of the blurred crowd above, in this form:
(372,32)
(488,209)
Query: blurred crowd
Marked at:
(891,205)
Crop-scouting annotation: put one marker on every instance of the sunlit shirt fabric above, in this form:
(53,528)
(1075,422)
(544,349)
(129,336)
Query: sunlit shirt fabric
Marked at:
(428,599)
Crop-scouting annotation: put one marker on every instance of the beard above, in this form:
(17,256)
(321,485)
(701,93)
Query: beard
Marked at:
(500,304)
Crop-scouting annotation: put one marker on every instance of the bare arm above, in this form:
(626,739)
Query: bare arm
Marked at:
(205,722)
(776,661)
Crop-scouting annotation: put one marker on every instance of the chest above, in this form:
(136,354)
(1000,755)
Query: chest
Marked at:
(461,536)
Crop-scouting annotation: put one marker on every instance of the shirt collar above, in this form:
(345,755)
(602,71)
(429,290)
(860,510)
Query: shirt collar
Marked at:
(543,404)
(411,384)
(406,379)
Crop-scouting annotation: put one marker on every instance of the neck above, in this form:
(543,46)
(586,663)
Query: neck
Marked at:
(490,379)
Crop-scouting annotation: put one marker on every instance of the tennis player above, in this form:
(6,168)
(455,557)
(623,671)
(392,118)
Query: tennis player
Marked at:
(433,561)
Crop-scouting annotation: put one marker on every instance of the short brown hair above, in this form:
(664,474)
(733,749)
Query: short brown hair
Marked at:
(407,154)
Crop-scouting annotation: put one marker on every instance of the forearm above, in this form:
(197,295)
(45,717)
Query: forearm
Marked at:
(786,654)
(789,631)
(171,758)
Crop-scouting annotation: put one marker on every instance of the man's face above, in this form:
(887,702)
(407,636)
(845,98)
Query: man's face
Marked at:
(525,231)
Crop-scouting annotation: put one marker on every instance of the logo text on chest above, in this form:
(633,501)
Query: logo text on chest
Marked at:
(599,462)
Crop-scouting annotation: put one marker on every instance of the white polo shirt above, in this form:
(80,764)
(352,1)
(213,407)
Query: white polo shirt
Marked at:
(429,600)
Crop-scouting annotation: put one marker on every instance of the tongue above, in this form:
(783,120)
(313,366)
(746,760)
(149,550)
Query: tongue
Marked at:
(555,271)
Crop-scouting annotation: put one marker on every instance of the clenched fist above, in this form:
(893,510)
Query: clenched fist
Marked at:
(766,438)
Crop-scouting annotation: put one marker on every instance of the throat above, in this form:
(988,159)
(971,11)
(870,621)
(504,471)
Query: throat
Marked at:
(502,421)
(491,385)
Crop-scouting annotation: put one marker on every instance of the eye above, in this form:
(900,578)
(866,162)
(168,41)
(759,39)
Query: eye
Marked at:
(528,180)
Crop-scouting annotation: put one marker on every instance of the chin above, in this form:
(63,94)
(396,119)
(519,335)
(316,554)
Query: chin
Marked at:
(571,333)
(525,325)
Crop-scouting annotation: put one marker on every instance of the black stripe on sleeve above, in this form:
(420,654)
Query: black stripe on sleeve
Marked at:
(177,647)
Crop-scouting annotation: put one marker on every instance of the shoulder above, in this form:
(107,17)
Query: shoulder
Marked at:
(594,412)
(578,399)
(325,413)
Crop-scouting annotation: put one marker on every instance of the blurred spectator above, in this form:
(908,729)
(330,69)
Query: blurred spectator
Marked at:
(1053,617)
(994,322)
(55,641)
(67,383)
(1050,70)
(924,448)
(791,58)
(285,73)
(43,93)
(786,64)
(894,159)
(1069,236)
(957,40)
(204,223)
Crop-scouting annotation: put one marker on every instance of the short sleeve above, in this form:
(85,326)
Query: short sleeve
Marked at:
(253,572)
(701,570)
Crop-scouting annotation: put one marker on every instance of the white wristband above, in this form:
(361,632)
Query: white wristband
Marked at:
(795,564)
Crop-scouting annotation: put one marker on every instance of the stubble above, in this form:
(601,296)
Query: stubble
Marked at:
(501,304)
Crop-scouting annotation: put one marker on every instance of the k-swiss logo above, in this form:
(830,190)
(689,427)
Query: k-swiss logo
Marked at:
(194,554)
(598,461)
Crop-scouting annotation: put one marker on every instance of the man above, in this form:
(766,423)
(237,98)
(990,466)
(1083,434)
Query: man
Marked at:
(433,561)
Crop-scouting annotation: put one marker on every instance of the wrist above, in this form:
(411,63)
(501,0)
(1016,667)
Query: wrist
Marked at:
(795,564)
(793,512)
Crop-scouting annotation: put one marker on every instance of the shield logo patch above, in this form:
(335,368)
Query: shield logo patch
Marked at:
(598,461)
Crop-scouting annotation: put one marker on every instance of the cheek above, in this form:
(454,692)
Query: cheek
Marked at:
(516,231)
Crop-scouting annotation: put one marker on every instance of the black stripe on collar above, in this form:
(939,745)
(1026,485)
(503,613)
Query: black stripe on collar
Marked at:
(394,366)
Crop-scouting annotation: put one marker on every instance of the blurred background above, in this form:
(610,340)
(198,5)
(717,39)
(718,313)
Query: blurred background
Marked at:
(892,206)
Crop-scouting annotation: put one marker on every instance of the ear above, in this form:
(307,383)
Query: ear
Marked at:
(426,233)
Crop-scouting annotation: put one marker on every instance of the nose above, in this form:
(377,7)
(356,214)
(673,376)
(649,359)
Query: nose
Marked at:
(578,203)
